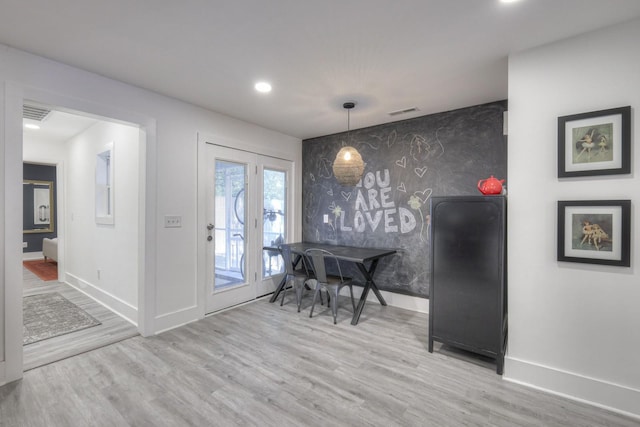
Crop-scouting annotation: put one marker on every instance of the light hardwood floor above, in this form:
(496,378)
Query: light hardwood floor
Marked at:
(265,365)
(112,329)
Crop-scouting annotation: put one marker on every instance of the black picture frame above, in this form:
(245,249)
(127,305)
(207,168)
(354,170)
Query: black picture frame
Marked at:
(595,232)
(595,143)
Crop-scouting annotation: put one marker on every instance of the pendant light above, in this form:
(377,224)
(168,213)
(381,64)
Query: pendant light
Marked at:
(348,166)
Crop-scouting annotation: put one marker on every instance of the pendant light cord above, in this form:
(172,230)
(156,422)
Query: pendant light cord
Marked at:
(348,126)
(348,106)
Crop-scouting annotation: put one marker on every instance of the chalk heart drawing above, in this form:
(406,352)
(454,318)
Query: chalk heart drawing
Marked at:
(313,177)
(420,171)
(330,192)
(402,162)
(423,195)
(345,195)
(402,188)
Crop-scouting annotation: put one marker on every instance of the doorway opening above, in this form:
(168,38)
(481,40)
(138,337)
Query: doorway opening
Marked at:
(94,299)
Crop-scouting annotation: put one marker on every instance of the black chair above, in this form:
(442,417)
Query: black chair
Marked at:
(332,284)
(296,277)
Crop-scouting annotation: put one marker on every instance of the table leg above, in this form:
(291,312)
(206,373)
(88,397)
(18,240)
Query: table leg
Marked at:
(274,297)
(360,306)
(369,284)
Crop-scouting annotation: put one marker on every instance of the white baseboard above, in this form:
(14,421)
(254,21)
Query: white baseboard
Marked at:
(613,397)
(113,303)
(28,256)
(175,319)
(407,302)
(168,321)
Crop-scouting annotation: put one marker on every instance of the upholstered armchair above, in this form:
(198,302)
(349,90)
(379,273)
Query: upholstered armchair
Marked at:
(50,248)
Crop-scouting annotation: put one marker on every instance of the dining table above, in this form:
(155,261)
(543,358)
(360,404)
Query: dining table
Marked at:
(365,259)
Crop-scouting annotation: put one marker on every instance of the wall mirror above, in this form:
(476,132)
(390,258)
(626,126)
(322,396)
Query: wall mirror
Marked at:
(38,209)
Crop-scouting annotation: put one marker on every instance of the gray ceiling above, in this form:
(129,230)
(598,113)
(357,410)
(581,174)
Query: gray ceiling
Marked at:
(434,55)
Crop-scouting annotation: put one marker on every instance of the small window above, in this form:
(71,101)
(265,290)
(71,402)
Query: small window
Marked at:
(104,186)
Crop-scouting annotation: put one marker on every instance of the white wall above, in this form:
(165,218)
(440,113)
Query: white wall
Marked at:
(170,182)
(43,151)
(3,272)
(112,248)
(574,329)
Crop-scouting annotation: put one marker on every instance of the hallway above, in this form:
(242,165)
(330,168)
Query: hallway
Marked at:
(112,329)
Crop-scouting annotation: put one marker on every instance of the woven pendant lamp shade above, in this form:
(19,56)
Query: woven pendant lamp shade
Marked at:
(348,166)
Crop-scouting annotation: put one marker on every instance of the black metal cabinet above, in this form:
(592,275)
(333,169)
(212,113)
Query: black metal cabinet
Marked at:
(468,296)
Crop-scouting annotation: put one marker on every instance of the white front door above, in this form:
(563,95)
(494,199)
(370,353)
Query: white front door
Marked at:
(247,197)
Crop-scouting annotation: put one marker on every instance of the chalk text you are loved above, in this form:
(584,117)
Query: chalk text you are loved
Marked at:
(375,207)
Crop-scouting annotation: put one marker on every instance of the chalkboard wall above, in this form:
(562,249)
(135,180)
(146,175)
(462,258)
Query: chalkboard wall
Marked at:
(407,162)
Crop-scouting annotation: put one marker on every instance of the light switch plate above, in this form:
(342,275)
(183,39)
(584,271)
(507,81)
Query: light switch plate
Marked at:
(172,221)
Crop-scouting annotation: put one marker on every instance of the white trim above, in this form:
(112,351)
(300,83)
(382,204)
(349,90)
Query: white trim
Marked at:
(29,256)
(147,193)
(177,318)
(105,212)
(201,224)
(12,228)
(407,302)
(247,146)
(602,394)
(113,303)
(11,218)
(147,233)
(295,193)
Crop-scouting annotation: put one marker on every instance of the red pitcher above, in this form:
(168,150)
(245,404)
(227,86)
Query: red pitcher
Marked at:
(490,185)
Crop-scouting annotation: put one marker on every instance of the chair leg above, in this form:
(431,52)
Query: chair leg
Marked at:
(334,305)
(307,287)
(284,292)
(299,290)
(353,304)
(313,304)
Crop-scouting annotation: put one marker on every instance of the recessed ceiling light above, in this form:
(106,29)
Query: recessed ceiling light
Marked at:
(263,87)
(509,1)
(31,126)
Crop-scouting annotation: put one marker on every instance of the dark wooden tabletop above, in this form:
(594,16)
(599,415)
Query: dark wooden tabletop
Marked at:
(347,253)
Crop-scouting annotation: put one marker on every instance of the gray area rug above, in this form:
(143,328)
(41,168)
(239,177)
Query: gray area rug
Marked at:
(50,315)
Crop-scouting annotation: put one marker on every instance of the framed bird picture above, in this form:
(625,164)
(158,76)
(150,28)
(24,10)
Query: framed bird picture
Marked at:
(595,143)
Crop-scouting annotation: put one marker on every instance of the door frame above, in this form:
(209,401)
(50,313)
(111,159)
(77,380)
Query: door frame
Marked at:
(295,192)
(11,219)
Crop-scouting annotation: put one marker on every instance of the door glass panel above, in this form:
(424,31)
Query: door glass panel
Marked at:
(230,264)
(274,218)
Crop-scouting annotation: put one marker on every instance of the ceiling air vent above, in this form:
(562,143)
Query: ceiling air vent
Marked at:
(34,113)
(405,111)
